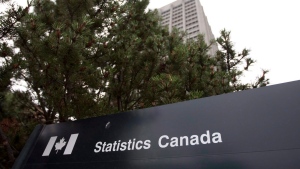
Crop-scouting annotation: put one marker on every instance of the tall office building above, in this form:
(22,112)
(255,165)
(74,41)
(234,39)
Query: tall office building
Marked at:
(187,15)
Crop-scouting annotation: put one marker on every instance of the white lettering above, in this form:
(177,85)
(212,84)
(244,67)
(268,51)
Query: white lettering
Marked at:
(164,141)
(123,146)
(216,138)
(174,142)
(194,140)
(108,147)
(160,140)
(207,136)
(98,147)
(147,144)
(137,145)
(186,140)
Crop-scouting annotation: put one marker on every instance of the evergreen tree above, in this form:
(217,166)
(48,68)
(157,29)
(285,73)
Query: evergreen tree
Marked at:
(136,47)
(189,72)
(235,63)
(83,59)
(63,54)
(12,135)
(88,58)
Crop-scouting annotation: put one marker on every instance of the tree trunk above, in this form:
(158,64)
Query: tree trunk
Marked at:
(6,144)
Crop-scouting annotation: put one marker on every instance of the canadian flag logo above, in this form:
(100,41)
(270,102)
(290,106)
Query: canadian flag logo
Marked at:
(61,144)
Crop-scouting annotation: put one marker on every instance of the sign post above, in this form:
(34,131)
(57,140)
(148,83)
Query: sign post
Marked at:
(252,129)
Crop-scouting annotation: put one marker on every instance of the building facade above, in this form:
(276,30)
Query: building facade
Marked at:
(188,16)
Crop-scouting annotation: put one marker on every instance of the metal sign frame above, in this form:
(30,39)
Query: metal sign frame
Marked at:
(257,128)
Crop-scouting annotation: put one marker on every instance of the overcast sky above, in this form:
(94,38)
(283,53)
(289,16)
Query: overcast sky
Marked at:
(269,28)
